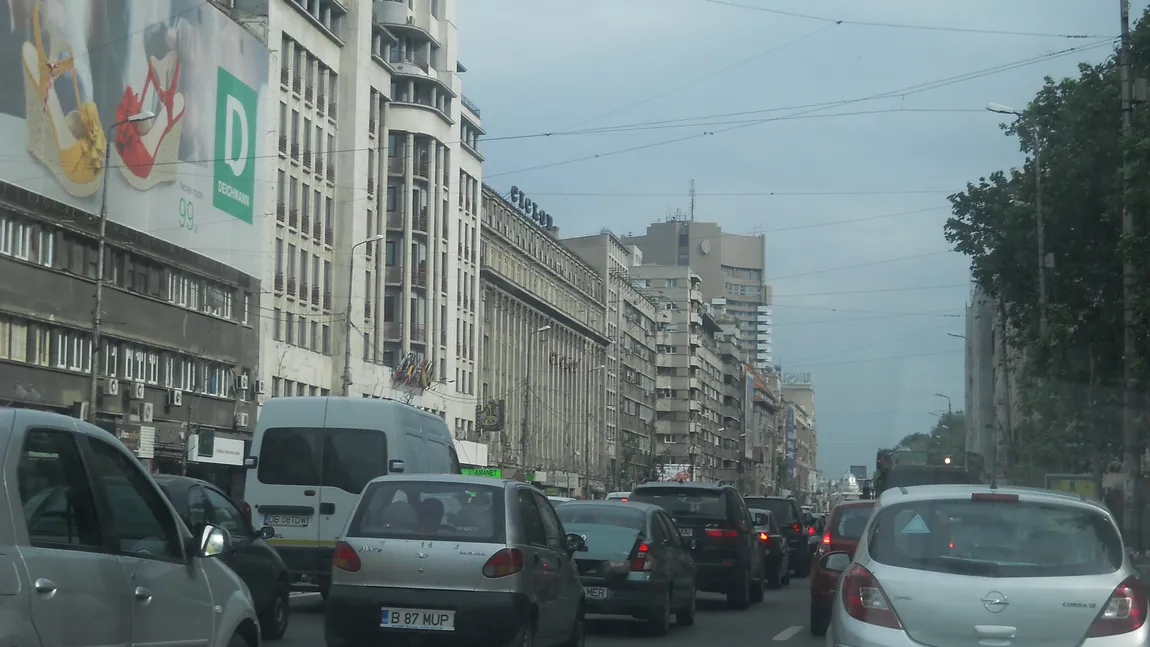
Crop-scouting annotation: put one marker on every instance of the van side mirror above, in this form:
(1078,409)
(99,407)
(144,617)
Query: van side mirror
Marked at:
(251,462)
(395,466)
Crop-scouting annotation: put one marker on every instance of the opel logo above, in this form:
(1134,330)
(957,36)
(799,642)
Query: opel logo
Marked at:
(995,602)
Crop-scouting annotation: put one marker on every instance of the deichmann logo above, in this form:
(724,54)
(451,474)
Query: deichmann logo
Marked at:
(235,169)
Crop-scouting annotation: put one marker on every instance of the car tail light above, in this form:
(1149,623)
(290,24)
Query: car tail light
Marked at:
(764,536)
(1124,612)
(994,497)
(865,600)
(643,560)
(624,499)
(344,558)
(507,561)
(722,533)
(246,510)
(796,527)
(826,538)
(811,530)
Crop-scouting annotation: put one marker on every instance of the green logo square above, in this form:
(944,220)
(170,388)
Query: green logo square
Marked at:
(234,178)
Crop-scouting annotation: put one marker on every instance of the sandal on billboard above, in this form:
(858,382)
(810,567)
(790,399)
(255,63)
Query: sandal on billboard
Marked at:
(70,145)
(148,153)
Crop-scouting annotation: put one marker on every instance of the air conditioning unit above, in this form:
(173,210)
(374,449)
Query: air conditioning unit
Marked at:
(175,398)
(138,390)
(242,419)
(242,382)
(144,411)
(260,387)
(111,386)
(80,410)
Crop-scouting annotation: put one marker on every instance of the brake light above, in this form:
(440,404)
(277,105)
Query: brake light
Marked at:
(1124,612)
(624,499)
(725,534)
(826,538)
(246,510)
(795,526)
(764,536)
(811,530)
(865,600)
(994,497)
(344,558)
(507,561)
(643,560)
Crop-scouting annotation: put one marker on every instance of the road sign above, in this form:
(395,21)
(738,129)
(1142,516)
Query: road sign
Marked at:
(1080,484)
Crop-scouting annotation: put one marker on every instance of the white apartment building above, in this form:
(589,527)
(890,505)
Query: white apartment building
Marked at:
(377,193)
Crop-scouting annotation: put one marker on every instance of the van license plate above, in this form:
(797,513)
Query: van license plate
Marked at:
(296,520)
(420,619)
(596,593)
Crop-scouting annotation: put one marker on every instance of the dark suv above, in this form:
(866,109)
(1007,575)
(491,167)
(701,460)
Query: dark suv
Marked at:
(715,523)
(791,520)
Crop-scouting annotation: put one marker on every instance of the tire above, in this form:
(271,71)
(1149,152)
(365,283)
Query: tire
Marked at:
(238,641)
(686,617)
(786,578)
(526,637)
(659,624)
(820,620)
(740,597)
(775,578)
(324,588)
(274,621)
(758,586)
(578,632)
(803,568)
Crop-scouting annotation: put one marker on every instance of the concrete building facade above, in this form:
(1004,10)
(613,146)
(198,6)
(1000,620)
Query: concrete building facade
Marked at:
(543,353)
(631,326)
(733,271)
(377,206)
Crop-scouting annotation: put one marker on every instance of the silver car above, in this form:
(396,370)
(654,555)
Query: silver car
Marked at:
(454,560)
(956,565)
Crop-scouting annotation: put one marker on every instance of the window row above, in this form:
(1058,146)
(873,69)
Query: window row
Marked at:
(307,143)
(303,274)
(284,388)
(26,240)
(307,76)
(305,208)
(301,331)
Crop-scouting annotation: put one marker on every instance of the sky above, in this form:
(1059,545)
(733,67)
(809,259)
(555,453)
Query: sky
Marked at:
(745,95)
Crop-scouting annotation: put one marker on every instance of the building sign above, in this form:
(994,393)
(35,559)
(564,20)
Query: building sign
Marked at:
(797,379)
(496,473)
(1078,484)
(220,451)
(530,209)
(491,416)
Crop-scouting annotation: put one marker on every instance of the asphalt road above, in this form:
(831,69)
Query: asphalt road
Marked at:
(781,619)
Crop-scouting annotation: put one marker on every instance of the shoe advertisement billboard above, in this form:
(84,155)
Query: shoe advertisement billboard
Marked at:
(172,93)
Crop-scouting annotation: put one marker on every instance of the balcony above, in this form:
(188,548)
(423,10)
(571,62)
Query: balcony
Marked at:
(297,83)
(443,285)
(393,331)
(306,155)
(422,169)
(279,281)
(327,299)
(304,222)
(293,217)
(371,125)
(470,105)
(419,223)
(371,186)
(367,309)
(283,144)
(331,173)
(308,92)
(281,211)
(328,235)
(285,77)
(397,164)
(317,230)
(315,295)
(418,333)
(393,276)
(291,285)
(419,278)
(394,220)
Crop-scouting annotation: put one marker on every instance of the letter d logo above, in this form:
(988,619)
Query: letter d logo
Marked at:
(233,188)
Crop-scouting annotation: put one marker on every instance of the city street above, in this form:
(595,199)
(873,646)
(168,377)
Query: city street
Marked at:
(780,619)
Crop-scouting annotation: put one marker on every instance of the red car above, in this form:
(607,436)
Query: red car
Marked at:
(843,531)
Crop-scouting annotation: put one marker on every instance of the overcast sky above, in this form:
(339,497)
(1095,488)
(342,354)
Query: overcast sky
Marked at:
(873,335)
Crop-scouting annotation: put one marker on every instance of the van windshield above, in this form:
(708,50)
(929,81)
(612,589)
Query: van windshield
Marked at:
(430,510)
(342,458)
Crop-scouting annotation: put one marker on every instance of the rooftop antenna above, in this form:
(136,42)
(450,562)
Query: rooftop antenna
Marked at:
(692,194)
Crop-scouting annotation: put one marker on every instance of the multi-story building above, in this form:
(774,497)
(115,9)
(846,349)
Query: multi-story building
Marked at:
(375,239)
(732,268)
(176,354)
(734,451)
(631,316)
(799,393)
(543,352)
(764,433)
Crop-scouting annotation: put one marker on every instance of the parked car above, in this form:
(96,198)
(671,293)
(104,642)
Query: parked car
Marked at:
(976,564)
(633,562)
(454,560)
(251,556)
(790,518)
(776,550)
(93,554)
(843,531)
(717,525)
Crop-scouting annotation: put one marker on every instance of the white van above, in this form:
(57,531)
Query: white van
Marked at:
(311,458)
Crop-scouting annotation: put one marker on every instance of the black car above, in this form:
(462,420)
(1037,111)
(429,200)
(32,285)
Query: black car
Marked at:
(791,522)
(776,549)
(251,557)
(633,563)
(717,526)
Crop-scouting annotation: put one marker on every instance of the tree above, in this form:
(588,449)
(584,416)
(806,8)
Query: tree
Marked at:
(947,436)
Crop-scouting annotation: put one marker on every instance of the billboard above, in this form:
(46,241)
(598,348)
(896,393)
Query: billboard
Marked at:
(75,72)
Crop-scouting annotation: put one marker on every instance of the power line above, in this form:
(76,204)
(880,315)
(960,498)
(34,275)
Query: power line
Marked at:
(858,265)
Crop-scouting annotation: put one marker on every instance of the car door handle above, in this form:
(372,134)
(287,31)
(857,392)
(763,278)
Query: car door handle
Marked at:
(45,586)
(143,594)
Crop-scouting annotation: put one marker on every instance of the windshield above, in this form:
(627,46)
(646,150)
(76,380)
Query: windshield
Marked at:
(680,501)
(850,522)
(996,539)
(430,510)
(782,509)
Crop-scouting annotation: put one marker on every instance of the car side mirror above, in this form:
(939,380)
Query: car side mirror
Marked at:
(576,543)
(211,541)
(267,532)
(837,561)
(395,466)
(251,462)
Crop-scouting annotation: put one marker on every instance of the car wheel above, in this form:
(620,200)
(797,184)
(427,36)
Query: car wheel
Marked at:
(740,597)
(526,637)
(758,586)
(775,577)
(786,578)
(578,631)
(686,617)
(802,568)
(660,622)
(238,641)
(820,620)
(274,621)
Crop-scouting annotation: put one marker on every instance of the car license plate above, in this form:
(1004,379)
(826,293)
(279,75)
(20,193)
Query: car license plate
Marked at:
(296,520)
(686,532)
(596,593)
(420,619)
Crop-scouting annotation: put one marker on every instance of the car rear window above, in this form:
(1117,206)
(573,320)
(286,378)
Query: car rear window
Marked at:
(782,509)
(996,538)
(607,514)
(430,510)
(684,501)
(850,522)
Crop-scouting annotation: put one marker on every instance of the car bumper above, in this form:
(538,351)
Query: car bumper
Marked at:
(310,561)
(625,598)
(352,616)
(719,578)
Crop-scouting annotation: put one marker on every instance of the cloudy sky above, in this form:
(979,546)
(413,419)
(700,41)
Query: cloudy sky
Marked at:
(852,206)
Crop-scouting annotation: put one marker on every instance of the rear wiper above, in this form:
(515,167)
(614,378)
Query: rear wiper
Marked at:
(960,565)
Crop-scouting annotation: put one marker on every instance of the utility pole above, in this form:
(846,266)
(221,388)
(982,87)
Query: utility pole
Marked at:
(1041,233)
(1130,444)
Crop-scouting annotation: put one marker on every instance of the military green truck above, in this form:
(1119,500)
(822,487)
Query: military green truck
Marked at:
(904,468)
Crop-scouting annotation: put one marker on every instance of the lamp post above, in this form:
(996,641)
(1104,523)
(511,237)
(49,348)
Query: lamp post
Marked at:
(101,245)
(955,335)
(524,423)
(347,312)
(949,410)
(1038,223)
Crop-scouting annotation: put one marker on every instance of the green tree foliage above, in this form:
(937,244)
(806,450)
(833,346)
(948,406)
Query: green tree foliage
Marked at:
(947,436)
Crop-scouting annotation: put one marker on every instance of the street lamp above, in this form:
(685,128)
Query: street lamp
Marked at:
(527,399)
(955,335)
(1041,234)
(97,315)
(347,312)
(947,398)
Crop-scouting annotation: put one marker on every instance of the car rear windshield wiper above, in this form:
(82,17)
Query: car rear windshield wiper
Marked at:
(961,565)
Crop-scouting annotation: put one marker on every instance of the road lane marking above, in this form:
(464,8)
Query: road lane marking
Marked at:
(788,633)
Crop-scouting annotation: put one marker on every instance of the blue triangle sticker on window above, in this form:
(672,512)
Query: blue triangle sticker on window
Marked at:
(916,526)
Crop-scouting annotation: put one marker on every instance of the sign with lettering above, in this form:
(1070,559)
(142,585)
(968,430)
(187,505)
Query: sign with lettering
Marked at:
(530,208)
(797,379)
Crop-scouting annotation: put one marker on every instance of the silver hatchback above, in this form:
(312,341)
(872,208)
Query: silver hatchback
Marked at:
(958,565)
(454,560)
